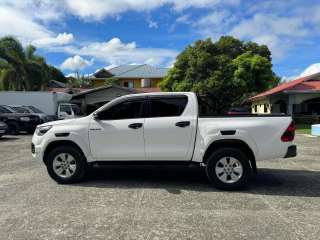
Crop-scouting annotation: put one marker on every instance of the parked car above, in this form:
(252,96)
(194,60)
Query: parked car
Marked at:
(35,111)
(51,103)
(165,128)
(3,128)
(18,122)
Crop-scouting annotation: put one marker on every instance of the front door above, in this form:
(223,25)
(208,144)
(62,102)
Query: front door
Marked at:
(117,133)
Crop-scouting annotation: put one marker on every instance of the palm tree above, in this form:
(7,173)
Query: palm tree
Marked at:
(12,52)
(22,69)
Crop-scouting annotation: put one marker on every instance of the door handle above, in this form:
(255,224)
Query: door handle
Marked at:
(135,125)
(183,124)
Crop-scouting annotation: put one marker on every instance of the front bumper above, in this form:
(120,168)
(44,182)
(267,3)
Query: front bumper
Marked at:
(36,147)
(291,152)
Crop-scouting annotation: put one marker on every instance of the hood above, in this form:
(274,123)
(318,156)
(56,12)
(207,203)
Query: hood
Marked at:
(64,122)
(59,122)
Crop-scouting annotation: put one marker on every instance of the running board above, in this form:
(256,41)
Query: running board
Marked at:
(145,163)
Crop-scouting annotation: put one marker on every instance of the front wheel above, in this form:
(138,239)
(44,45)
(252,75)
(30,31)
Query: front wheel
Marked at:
(228,169)
(13,128)
(66,165)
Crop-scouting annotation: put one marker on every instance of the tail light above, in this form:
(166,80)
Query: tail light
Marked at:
(288,135)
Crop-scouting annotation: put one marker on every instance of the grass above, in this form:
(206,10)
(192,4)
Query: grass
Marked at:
(303,128)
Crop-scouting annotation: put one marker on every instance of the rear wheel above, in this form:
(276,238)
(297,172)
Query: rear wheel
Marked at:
(228,169)
(66,165)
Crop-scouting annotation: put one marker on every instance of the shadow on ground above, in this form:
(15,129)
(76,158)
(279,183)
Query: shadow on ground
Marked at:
(8,138)
(282,182)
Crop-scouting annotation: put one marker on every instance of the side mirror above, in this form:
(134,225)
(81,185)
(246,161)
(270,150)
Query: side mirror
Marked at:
(96,116)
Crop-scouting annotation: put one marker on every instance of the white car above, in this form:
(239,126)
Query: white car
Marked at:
(159,128)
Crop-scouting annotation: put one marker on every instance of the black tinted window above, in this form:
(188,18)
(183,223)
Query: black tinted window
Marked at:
(168,107)
(124,110)
(4,110)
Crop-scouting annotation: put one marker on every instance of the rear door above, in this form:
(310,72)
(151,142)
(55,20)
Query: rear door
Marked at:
(169,129)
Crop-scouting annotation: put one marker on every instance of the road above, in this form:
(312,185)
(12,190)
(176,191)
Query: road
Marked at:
(281,202)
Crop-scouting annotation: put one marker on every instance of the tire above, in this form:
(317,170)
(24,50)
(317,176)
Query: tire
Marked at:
(13,128)
(224,169)
(53,159)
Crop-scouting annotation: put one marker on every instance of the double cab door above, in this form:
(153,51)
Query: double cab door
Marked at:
(152,128)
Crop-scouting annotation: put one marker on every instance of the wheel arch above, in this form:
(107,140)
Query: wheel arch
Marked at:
(54,144)
(233,143)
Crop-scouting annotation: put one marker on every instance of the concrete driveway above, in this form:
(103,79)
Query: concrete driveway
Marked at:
(281,202)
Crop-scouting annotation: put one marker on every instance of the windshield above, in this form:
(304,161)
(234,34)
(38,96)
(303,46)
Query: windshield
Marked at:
(5,110)
(34,109)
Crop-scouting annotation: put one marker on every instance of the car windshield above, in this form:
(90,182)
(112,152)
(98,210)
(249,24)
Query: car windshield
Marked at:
(20,109)
(5,110)
(34,109)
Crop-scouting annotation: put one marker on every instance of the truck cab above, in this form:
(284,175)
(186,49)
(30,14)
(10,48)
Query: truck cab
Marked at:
(68,110)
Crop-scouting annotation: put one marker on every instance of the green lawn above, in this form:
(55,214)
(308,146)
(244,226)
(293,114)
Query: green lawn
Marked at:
(303,128)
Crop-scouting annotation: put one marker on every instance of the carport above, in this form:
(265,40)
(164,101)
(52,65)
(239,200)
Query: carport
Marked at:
(92,99)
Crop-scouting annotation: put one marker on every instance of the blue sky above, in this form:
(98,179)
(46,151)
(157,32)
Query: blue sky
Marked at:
(86,35)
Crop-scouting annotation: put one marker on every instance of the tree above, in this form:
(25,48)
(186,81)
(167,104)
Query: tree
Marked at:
(226,72)
(12,51)
(22,69)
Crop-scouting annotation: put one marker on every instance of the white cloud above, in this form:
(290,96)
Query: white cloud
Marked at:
(313,68)
(117,52)
(23,25)
(152,24)
(93,10)
(60,39)
(16,23)
(76,63)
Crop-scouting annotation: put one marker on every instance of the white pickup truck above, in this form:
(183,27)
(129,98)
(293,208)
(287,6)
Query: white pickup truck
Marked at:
(159,128)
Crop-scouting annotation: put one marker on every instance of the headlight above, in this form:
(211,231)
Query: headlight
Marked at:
(42,130)
(25,119)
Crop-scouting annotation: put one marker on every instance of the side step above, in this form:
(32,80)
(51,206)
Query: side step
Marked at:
(146,163)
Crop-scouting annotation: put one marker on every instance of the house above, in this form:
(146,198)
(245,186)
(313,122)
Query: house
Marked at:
(92,99)
(300,97)
(131,76)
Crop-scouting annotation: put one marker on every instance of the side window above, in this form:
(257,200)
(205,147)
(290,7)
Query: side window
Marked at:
(66,109)
(124,110)
(168,107)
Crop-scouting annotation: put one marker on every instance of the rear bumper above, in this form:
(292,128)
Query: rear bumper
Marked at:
(291,152)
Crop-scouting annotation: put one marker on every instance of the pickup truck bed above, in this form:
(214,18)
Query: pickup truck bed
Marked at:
(163,127)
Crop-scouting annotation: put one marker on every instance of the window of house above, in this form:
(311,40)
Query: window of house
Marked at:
(265,108)
(124,110)
(255,108)
(128,84)
(168,107)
